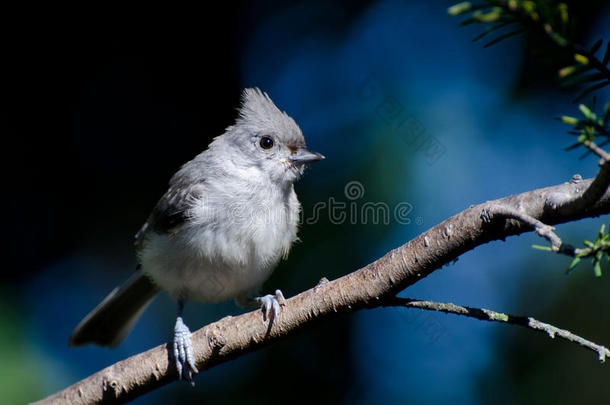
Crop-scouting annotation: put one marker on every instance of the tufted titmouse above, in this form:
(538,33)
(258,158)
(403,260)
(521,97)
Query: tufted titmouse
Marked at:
(228,217)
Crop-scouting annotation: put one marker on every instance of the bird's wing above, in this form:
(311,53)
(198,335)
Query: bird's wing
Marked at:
(171,211)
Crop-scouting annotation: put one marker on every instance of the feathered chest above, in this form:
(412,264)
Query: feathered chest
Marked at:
(251,227)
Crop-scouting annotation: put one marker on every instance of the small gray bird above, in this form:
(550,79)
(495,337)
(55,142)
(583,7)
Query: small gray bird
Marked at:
(227,219)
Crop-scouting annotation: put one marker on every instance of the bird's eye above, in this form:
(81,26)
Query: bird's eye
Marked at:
(266,142)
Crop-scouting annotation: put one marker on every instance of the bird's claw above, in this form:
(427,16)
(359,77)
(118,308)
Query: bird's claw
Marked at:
(270,304)
(183,352)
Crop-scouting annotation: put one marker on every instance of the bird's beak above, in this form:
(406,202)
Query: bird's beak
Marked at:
(304,156)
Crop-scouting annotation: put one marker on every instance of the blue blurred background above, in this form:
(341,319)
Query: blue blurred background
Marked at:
(104,105)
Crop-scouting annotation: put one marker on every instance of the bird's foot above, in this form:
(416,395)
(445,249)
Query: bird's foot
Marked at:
(270,304)
(183,352)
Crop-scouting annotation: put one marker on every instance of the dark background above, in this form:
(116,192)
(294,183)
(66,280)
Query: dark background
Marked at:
(103,105)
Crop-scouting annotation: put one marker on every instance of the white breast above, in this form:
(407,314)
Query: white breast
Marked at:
(228,249)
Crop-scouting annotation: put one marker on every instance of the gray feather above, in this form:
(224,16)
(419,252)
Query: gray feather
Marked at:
(110,322)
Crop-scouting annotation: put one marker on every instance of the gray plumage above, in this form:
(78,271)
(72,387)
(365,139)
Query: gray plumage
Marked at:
(109,322)
(227,218)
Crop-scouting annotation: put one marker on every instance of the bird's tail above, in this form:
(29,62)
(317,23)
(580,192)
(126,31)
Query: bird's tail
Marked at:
(109,322)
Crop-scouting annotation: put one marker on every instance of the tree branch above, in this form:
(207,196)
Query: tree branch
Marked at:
(543,230)
(595,190)
(232,337)
(493,316)
(599,152)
